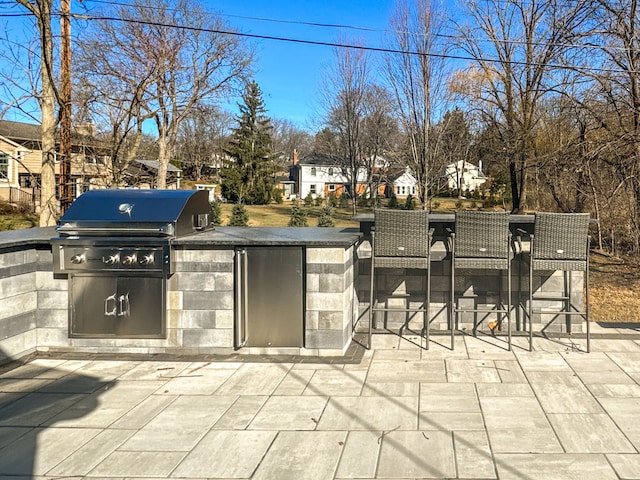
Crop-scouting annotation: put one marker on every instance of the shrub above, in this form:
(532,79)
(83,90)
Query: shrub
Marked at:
(298,215)
(216,213)
(239,216)
(326,217)
(308,200)
(393,202)
(332,200)
(277,196)
(345,201)
(459,204)
(410,203)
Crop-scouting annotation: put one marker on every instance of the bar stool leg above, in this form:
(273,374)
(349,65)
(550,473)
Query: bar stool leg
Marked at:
(371,296)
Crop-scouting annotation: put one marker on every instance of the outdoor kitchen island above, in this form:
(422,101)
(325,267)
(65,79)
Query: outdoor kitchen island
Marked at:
(304,273)
(201,295)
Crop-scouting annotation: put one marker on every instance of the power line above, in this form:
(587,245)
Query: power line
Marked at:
(451,37)
(337,44)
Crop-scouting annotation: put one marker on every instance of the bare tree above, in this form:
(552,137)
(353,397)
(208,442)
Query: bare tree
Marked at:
(47,98)
(286,138)
(417,79)
(380,136)
(455,144)
(202,138)
(113,88)
(517,46)
(172,59)
(345,107)
(614,105)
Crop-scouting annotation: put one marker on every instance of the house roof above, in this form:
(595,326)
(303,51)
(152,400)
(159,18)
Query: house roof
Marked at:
(153,165)
(32,132)
(321,159)
(20,130)
(396,173)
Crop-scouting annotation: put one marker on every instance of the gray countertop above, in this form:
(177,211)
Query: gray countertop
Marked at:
(448,218)
(250,236)
(27,237)
(221,236)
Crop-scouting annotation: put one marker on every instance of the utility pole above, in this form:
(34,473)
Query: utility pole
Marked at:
(65,114)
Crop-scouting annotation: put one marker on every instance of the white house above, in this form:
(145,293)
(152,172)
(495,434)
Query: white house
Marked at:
(401,183)
(321,175)
(464,176)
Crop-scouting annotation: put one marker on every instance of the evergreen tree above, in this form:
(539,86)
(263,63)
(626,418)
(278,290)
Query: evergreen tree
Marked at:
(239,216)
(298,215)
(326,216)
(216,213)
(249,176)
(410,203)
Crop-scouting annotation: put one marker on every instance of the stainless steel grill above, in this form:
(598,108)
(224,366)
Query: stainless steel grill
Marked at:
(115,245)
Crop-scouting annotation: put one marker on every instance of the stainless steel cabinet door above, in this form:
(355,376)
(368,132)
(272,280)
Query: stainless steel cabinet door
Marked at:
(117,306)
(270,297)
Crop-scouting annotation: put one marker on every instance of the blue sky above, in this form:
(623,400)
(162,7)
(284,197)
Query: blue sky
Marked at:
(290,74)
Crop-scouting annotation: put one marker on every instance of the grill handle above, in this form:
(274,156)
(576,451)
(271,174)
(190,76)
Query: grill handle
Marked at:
(241,332)
(110,306)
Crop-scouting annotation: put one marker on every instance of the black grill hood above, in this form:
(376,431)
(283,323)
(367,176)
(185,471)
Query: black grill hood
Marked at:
(168,213)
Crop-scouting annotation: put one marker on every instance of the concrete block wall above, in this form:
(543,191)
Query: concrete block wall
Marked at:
(406,288)
(201,300)
(549,285)
(330,299)
(18,303)
(53,300)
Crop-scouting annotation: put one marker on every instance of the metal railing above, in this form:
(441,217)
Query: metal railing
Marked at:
(18,195)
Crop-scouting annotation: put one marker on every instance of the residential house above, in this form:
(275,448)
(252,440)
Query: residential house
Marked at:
(464,176)
(144,173)
(12,155)
(321,175)
(21,159)
(400,182)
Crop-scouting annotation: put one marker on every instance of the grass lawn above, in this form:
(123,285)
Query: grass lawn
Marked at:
(18,221)
(277,215)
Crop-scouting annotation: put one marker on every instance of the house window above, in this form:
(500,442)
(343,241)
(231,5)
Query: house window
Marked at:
(331,187)
(330,171)
(413,190)
(313,171)
(4,167)
(312,189)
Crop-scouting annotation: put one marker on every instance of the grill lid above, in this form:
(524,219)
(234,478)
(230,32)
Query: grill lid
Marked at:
(137,212)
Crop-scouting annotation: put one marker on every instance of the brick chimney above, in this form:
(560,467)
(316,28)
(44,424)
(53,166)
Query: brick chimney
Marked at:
(295,157)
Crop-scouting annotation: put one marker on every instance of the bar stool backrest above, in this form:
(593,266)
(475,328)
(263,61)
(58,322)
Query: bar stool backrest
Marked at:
(401,233)
(482,234)
(560,236)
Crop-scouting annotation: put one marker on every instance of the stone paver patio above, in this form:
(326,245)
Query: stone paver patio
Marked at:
(395,412)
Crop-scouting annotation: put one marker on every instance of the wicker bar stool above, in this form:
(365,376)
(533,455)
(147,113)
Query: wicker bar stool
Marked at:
(400,239)
(482,241)
(560,242)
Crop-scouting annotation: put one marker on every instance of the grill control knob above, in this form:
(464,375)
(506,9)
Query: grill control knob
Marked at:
(111,259)
(130,259)
(77,259)
(147,259)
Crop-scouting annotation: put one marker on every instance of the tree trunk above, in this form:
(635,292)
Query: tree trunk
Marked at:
(48,201)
